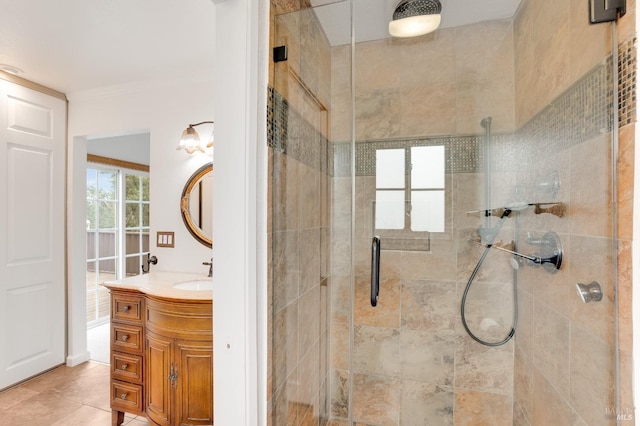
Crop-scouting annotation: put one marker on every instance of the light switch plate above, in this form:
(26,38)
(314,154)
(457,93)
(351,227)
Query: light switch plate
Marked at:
(165,239)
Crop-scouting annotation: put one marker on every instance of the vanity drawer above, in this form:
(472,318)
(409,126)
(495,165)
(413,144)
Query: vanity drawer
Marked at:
(126,367)
(127,308)
(126,338)
(126,396)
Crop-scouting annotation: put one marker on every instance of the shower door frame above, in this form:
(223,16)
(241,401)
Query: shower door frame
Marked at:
(356,253)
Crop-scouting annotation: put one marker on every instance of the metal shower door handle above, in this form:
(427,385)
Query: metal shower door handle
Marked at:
(375,270)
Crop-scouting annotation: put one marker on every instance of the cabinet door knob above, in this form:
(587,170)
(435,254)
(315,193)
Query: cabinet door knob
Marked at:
(124,366)
(123,396)
(126,308)
(125,338)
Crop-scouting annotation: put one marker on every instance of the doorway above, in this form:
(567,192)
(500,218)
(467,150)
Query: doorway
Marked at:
(117,218)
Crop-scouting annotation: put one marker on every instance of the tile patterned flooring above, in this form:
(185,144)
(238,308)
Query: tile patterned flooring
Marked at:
(64,396)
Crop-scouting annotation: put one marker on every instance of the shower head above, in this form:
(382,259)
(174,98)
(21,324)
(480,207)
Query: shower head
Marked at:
(413,18)
(486,122)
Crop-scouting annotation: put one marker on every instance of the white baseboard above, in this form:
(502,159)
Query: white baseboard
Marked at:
(73,360)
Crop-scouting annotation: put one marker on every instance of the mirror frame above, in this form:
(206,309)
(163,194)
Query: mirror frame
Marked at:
(184,205)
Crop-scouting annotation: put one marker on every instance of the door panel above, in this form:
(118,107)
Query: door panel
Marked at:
(32,208)
(195,389)
(29,203)
(157,383)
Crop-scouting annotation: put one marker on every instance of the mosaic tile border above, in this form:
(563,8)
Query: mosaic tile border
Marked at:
(290,134)
(627,82)
(587,106)
(464,154)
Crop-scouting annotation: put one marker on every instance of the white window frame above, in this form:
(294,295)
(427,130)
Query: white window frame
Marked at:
(404,238)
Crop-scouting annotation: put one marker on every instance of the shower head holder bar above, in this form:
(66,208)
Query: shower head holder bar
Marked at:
(555,208)
(550,256)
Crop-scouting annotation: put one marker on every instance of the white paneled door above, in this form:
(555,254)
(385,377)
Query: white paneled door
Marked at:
(32,206)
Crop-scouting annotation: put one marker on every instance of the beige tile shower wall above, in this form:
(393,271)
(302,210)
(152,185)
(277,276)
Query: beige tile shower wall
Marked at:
(555,46)
(559,336)
(440,84)
(625,272)
(304,79)
(299,345)
(299,221)
(627,36)
(410,351)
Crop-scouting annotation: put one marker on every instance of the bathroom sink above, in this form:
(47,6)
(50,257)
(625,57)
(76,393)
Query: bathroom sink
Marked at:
(195,285)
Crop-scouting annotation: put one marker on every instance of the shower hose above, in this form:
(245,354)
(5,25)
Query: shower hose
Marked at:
(509,336)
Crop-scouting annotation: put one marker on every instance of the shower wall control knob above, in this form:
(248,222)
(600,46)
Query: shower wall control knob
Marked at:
(590,292)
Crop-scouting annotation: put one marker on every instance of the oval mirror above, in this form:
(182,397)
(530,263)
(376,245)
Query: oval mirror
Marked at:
(196,204)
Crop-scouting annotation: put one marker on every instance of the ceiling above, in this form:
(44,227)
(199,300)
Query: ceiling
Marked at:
(372,17)
(78,45)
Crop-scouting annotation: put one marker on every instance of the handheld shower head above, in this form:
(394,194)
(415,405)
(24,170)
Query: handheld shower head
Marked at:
(486,122)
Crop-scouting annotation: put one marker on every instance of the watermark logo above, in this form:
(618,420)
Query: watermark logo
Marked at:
(623,414)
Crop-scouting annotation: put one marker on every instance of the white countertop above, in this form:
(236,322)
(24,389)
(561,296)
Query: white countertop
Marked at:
(160,284)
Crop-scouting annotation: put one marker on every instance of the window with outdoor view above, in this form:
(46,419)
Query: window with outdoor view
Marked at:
(117,219)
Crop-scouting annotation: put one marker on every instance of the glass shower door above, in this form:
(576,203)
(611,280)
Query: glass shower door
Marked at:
(487,172)
(299,147)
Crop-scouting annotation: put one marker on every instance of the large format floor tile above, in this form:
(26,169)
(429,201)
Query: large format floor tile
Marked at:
(69,396)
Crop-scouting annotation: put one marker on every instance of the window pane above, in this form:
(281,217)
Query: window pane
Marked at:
(107,214)
(145,215)
(91,275)
(133,265)
(91,245)
(107,270)
(145,241)
(132,187)
(145,188)
(92,184)
(427,167)
(132,242)
(390,168)
(390,209)
(91,214)
(132,215)
(427,211)
(106,244)
(107,184)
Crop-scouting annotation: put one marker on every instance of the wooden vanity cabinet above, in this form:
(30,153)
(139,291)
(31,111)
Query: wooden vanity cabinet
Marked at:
(127,354)
(161,359)
(179,362)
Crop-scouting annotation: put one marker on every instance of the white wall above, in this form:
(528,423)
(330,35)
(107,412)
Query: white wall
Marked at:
(239,213)
(134,148)
(164,109)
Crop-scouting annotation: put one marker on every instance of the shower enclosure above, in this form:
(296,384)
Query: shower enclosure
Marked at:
(493,135)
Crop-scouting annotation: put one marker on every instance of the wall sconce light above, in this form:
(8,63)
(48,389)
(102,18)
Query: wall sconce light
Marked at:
(190,140)
(413,18)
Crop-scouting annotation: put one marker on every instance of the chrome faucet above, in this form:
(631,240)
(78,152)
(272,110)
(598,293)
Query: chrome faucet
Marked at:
(210,264)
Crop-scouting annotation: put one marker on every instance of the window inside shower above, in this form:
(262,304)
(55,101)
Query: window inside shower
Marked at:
(414,201)
(409,203)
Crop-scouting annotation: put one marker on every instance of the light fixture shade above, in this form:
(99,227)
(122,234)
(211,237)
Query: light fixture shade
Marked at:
(190,141)
(415,17)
